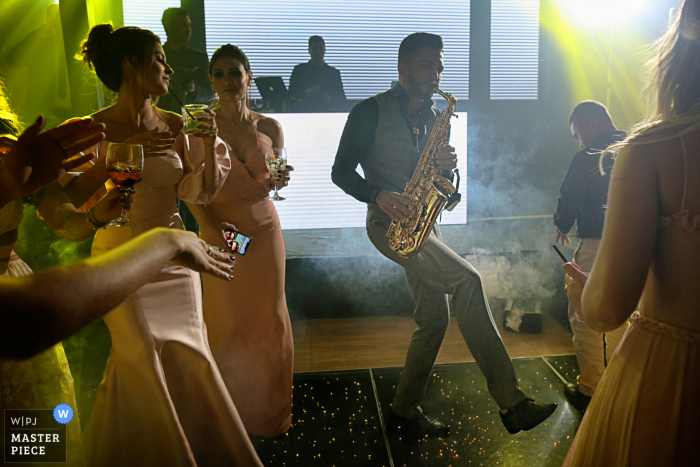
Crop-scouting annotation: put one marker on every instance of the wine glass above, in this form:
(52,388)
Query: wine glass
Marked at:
(276,162)
(124,166)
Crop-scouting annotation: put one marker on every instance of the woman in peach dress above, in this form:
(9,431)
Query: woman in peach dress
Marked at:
(646,409)
(162,401)
(249,328)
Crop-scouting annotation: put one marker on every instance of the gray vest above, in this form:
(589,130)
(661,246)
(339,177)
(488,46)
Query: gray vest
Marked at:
(393,157)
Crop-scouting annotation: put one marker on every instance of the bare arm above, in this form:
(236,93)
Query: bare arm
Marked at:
(273,130)
(81,188)
(70,224)
(622,265)
(44,308)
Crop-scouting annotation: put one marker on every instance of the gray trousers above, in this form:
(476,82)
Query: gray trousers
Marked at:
(432,275)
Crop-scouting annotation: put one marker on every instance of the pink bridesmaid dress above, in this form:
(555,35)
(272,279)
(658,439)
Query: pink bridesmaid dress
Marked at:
(162,401)
(249,328)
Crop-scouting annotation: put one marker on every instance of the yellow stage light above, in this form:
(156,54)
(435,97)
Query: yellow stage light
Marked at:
(603,13)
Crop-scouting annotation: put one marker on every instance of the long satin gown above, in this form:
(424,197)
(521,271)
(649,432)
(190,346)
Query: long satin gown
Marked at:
(249,328)
(162,401)
(45,380)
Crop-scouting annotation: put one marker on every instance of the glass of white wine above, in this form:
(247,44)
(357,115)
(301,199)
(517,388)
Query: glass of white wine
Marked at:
(276,162)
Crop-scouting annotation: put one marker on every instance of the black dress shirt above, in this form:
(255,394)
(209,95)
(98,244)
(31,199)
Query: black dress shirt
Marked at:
(306,75)
(358,138)
(584,193)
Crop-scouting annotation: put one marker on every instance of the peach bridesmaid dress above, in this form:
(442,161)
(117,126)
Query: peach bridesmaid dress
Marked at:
(162,401)
(249,328)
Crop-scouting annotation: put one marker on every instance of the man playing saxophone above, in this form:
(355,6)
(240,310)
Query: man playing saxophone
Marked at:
(386,134)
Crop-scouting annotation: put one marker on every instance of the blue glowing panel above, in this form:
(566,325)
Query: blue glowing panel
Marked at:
(515,45)
(362,37)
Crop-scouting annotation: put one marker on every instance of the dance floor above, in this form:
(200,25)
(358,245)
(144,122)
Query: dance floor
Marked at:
(345,374)
(340,419)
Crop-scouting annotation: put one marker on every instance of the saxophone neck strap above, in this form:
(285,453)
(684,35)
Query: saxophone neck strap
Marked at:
(454,199)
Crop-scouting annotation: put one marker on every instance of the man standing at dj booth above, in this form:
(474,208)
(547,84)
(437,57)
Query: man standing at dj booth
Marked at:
(315,86)
(386,134)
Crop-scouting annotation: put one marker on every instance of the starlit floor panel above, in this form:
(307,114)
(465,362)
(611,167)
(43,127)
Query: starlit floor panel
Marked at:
(336,420)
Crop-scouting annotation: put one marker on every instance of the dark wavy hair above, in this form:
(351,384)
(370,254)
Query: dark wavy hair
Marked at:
(105,49)
(229,50)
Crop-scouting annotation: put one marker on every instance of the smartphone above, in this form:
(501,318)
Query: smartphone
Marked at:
(242,241)
(563,258)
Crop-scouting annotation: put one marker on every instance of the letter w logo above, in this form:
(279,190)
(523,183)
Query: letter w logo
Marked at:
(63,413)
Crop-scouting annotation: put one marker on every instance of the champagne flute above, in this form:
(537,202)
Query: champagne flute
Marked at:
(124,166)
(276,162)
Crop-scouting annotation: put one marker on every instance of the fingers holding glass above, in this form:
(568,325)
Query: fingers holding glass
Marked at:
(124,166)
(276,162)
(198,120)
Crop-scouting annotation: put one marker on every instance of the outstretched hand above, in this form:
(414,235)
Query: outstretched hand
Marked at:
(155,143)
(199,256)
(37,160)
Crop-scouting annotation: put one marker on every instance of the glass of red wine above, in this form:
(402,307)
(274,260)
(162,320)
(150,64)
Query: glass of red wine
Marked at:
(124,166)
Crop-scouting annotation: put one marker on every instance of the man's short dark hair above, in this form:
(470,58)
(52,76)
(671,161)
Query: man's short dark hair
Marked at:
(590,109)
(171,14)
(410,45)
(316,39)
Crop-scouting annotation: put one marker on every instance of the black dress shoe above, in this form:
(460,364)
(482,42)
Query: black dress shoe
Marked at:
(526,415)
(419,426)
(579,400)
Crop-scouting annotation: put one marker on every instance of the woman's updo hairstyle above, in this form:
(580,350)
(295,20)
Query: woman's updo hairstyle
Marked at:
(105,49)
(229,50)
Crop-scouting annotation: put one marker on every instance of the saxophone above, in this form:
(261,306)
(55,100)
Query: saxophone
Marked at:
(428,188)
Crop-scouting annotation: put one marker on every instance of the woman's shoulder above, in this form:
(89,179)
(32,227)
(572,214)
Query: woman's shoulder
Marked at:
(654,154)
(268,126)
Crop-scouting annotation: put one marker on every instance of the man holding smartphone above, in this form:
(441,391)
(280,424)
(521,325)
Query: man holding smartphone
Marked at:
(582,199)
(386,134)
